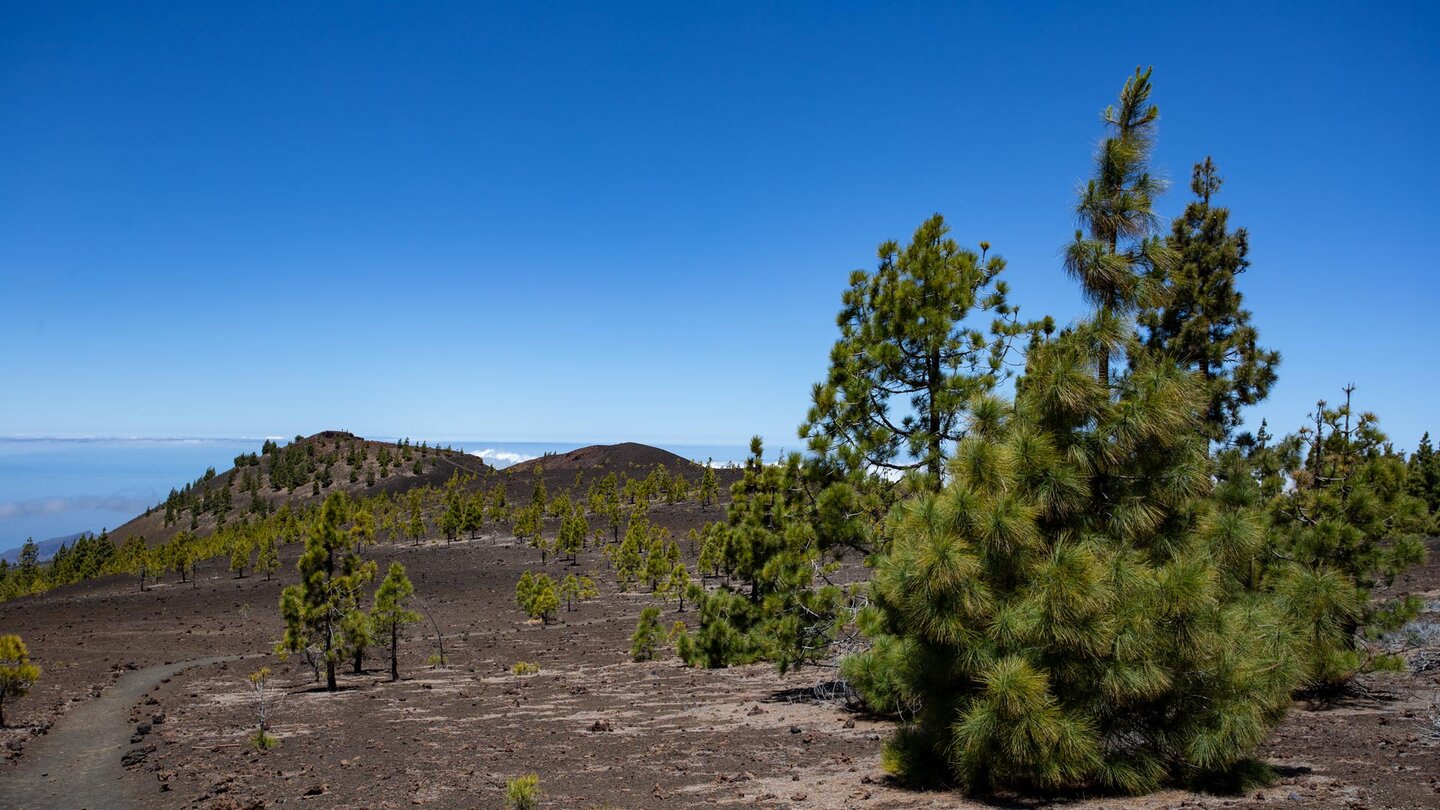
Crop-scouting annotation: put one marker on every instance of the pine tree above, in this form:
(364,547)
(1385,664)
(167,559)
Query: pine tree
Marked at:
(1072,610)
(1345,523)
(1423,471)
(27,569)
(268,558)
(770,543)
(1202,323)
(628,557)
(240,549)
(17,674)
(537,596)
(415,524)
(709,488)
(908,360)
(391,612)
(648,635)
(573,531)
(1117,257)
(331,575)
(135,558)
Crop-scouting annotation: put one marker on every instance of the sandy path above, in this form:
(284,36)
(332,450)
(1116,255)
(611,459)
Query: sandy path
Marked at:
(77,764)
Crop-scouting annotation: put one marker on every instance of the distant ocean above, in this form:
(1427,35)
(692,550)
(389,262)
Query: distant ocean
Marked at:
(56,487)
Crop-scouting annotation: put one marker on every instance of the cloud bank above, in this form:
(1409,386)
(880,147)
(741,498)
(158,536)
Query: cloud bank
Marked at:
(128,505)
(501,458)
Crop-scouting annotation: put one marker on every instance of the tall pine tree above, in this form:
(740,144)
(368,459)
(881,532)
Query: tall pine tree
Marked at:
(1202,323)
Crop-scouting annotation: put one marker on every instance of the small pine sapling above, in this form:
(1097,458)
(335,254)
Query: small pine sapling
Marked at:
(17,674)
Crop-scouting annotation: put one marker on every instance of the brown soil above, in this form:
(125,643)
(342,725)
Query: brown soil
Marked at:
(598,729)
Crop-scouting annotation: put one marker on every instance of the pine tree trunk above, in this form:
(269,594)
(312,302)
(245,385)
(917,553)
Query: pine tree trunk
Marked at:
(394,651)
(932,370)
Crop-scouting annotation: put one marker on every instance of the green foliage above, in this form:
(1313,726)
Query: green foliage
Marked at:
(1072,610)
(577,589)
(523,792)
(391,612)
(1423,472)
(268,558)
(770,543)
(319,610)
(648,635)
(1347,521)
(537,596)
(907,362)
(136,558)
(523,668)
(1117,257)
(17,674)
(709,488)
(241,547)
(1202,322)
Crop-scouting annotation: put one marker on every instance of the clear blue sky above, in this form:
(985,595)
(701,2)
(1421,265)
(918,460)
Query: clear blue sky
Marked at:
(562,222)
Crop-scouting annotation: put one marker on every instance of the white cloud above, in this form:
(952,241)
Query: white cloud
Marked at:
(501,458)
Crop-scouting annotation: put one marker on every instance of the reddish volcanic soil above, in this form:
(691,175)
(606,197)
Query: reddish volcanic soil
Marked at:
(599,730)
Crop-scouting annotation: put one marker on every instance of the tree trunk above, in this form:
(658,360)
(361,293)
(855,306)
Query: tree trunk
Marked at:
(330,684)
(359,660)
(394,651)
(932,419)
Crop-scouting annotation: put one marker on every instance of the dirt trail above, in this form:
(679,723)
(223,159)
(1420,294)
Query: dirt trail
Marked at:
(77,764)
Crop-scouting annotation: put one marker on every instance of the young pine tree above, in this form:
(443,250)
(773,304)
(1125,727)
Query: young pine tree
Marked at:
(1346,523)
(268,558)
(391,612)
(17,674)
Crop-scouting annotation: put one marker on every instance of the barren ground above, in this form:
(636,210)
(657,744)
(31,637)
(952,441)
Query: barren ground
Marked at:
(599,730)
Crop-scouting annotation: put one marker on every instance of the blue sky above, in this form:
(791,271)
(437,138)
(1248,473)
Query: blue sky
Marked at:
(634,222)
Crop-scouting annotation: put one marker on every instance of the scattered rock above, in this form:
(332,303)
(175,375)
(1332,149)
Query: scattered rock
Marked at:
(796,729)
(601,725)
(316,790)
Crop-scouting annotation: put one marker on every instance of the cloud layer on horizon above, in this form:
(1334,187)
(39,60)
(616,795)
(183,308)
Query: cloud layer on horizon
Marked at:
(126,504)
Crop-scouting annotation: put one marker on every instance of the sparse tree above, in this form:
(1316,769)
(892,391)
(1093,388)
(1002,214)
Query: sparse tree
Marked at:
(259,681)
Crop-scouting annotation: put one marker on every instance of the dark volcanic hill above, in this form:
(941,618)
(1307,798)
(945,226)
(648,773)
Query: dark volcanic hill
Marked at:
(613,457)
(308,469)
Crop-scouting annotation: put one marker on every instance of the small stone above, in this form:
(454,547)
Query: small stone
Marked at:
(796,729)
